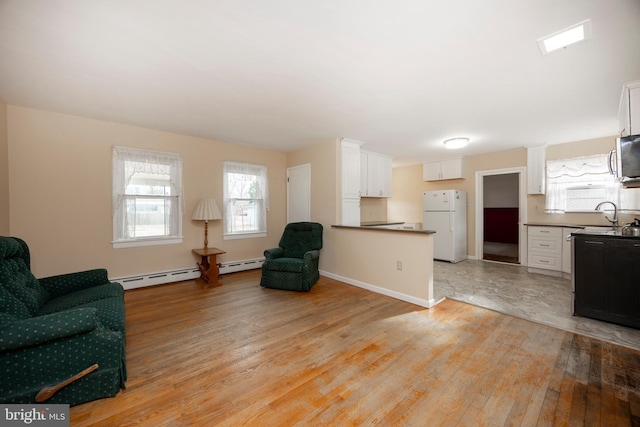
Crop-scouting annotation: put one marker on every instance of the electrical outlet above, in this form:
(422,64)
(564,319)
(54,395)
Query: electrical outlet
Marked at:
(399,265)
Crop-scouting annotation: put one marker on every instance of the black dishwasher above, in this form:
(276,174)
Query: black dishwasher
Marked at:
(606,278)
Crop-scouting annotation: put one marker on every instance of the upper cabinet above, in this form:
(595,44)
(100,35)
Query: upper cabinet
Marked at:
(375,174)
(629,112)
(447,169)
(350,169)
(536,170)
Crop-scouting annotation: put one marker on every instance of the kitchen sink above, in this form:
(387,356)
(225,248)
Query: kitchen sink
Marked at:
(608,231)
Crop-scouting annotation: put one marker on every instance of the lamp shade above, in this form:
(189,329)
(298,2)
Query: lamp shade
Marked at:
(207,209)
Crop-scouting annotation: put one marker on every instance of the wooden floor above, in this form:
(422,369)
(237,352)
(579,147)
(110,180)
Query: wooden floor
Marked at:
(239,354)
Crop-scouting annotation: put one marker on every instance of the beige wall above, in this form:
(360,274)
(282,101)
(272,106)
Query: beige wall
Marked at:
(58,190)
(324,162)
(4,172)
(408,186)
(60,193)
(360,256)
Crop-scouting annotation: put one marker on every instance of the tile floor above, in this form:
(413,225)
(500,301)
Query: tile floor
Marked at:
(510,289)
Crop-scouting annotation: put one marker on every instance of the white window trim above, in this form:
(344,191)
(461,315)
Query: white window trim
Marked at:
(148,242)
(229,165)
(144,241)
(236,236)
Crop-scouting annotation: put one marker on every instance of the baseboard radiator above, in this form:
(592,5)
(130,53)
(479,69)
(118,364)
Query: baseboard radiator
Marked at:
(163,277)
(247,264)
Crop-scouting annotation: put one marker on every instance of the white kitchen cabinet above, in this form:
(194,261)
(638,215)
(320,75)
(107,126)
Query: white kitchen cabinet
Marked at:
(629,112)
(375,174)
(566,249)
(545,250)
(350,169)
(536,170)
(350,159)
(446,169)
(351,212)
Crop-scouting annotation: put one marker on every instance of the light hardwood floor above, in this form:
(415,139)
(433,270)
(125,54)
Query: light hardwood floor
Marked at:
(239,354)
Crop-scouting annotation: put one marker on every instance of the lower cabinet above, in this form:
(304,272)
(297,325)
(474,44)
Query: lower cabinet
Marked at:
(545,250)
(606,279)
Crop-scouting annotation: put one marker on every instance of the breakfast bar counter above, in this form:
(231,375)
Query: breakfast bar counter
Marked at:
(390,226)
(392,259)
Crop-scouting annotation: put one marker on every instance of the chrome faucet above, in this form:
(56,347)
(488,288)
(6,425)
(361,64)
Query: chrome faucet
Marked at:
(613,221)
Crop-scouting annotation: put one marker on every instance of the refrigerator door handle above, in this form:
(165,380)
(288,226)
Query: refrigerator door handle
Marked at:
(451,219)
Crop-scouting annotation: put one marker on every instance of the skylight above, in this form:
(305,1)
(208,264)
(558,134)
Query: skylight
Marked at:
(563,38)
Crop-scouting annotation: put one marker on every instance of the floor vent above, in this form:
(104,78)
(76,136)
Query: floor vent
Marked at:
(247,264)
(159,278)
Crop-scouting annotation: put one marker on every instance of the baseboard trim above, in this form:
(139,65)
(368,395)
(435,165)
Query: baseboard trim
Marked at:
(377,289)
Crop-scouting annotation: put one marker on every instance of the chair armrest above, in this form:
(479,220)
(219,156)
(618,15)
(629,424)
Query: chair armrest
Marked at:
(311,255)
(41,329)
(273,253)
(67,283)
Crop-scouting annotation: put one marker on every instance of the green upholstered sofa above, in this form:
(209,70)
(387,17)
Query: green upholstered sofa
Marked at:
(293,265)
(53,328)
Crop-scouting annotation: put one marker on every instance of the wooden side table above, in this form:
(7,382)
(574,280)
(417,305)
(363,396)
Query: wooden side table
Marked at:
(208,266)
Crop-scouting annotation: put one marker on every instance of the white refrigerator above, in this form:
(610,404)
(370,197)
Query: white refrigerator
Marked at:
(445,212)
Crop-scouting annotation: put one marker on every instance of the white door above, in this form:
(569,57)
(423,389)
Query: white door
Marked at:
(299,193)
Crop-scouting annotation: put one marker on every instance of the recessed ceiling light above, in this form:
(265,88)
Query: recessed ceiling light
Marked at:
(454,143)
(563,38)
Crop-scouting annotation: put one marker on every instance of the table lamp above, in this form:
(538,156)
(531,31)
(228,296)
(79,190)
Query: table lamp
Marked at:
(206,210)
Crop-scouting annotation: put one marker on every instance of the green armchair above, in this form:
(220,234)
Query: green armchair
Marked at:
(294,264)
(56,328)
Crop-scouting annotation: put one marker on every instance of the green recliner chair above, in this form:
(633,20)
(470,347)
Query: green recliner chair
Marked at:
(293,265)
(56,328)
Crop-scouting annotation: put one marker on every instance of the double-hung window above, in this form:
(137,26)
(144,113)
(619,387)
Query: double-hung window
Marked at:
(147,197)
(579,184)
(246,200)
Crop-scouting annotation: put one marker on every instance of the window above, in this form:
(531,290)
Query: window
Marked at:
(147,197)
(246,200)
(579,184)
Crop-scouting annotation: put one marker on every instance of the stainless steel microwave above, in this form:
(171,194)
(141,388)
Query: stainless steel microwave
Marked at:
(624,161)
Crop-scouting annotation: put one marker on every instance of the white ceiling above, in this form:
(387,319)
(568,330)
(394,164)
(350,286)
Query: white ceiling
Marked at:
(400,76)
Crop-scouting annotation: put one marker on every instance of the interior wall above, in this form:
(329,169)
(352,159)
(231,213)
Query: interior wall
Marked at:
(406,203)
(4,171)
(324,183)
(373,209)
(60,193)
(408,187)
(566,151)
(501,191)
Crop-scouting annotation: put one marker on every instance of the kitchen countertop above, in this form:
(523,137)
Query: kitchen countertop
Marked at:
(378,223)
(613,232)
(387,226)
(546,224)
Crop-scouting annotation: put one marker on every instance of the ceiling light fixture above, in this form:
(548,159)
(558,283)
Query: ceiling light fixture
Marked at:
(454,143)
(563,38)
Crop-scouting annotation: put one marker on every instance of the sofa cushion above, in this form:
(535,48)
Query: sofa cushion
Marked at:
(106,298)
(289,265)
(16,277)
(300,237)
(11,308)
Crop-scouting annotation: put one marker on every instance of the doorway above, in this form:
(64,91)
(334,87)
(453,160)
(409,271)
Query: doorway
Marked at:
(501,215)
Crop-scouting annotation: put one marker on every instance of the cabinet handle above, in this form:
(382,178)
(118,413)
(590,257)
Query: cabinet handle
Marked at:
(593,242)
(544,231)
(544,246)
(544,261)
